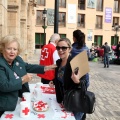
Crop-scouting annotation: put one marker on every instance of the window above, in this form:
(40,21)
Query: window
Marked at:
(99,22)
(62,3)
(114,40)
(39,20)
(62,18)
(39,40)
(81,20)
(81,4)
(98,40)
(62,35)
(41,2)
(116,6)
(115,20)
(99,5)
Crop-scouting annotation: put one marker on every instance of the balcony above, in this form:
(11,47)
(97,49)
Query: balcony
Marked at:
(98,26)
(39,22)
(62,23)
(116,11)
(99,9)
(82,25)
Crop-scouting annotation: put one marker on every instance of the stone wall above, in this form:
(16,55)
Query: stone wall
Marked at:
(16,19)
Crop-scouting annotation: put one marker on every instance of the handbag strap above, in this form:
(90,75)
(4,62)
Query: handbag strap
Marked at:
(82,86)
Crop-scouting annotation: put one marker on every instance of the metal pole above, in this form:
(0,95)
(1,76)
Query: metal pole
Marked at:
(116,30)
(44,26)
(44,32)
(56,16)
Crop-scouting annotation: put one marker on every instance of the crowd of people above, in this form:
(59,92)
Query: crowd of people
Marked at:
(106,53)
(54,68)
(57,54)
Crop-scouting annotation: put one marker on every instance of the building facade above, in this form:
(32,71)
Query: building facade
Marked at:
(98,19)
(16,19)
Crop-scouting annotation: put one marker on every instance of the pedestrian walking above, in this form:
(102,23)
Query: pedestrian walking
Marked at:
(106,54)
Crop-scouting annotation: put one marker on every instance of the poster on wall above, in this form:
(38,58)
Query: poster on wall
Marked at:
(71,13)
(89,36)
(91,3)
(50,17)
(108,15)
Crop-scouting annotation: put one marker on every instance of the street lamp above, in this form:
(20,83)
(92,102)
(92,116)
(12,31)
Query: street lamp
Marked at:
(116,28)
(44,22)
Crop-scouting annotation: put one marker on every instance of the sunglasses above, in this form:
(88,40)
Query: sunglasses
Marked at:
(63,48)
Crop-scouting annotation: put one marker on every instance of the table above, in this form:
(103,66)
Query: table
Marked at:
(55,111)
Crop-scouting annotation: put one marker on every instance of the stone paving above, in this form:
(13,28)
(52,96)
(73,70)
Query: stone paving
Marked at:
(104,82)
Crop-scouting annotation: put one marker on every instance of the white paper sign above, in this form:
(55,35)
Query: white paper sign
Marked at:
(71,13)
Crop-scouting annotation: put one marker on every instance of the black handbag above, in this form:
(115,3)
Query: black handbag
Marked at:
(79,100)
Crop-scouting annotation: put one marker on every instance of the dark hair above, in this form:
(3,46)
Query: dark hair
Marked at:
(106,43)
(80,38)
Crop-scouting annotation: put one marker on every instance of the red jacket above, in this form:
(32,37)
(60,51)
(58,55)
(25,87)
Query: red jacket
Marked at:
(47,59)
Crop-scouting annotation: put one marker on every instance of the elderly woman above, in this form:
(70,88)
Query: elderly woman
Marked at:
(14,75)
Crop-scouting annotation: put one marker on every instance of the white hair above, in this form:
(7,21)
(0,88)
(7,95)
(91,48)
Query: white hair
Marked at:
(54,37)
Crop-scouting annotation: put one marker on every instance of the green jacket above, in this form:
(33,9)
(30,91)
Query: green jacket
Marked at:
(10,81)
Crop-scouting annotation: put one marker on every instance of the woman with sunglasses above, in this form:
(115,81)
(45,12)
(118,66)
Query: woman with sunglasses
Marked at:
(65,79)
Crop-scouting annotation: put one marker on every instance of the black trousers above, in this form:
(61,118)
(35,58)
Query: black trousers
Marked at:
(45,81)
(1,112)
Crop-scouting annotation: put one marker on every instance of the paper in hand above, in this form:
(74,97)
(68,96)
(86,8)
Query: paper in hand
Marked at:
(81,61)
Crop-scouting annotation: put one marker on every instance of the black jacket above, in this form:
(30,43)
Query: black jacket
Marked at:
(68,82)
(118,48)
(106,49)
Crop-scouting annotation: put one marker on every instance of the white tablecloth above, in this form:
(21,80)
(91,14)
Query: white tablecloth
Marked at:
(55,111)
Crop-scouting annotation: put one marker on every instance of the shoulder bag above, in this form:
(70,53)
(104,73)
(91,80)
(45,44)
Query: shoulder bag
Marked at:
(79,99)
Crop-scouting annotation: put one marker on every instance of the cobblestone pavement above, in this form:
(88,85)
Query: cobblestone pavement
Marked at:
(104,82)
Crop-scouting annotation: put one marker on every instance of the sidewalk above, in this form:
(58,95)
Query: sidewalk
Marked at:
(104,82)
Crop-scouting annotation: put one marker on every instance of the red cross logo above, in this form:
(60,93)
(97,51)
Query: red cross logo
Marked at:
(41,116)
(9,116)
(44,53)
(26,111)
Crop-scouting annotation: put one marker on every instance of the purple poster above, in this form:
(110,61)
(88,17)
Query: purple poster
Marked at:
(108,15)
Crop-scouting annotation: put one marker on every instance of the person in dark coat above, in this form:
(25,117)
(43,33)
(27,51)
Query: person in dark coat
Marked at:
(14,75)
(106,54)
(77,47)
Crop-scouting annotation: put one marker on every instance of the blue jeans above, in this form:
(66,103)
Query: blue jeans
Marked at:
(78,115)
(106,59)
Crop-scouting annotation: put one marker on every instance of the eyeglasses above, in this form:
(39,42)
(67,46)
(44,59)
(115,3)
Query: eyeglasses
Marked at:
(64,48)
